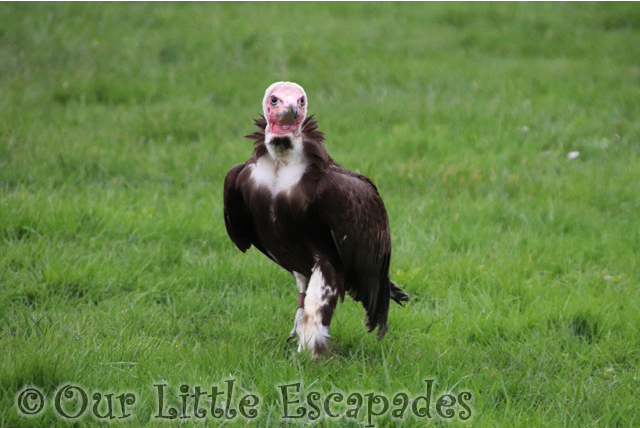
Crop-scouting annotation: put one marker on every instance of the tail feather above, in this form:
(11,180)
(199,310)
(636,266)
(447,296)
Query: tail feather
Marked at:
(398,294)
(378,311)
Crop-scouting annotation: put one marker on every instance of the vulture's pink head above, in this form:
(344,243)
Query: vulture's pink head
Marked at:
(285,107)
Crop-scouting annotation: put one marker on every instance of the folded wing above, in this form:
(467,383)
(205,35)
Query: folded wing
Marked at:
(349,204)
(237,218)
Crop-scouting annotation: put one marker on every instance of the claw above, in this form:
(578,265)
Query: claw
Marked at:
(293,332)
(299,314)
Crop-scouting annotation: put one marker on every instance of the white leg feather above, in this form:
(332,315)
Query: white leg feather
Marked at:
(312,334)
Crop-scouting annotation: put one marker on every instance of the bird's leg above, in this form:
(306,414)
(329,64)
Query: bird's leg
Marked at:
(319,303)
(302,282)
(299,313)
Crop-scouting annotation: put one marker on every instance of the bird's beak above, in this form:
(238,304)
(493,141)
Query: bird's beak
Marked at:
(291,113)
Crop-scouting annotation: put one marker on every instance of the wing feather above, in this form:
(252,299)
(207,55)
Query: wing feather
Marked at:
(237,218)
(349,204)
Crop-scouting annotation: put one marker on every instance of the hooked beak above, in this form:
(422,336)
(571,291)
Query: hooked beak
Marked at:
(291,113)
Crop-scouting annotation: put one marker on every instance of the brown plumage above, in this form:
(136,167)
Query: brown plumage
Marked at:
(330,224)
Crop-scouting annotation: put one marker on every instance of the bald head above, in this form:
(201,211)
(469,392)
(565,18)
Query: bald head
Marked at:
(285,108)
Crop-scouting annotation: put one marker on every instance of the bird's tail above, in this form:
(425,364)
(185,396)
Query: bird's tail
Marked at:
(398,294)
(377,313)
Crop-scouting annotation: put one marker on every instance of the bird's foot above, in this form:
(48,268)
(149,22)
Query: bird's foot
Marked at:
(312,335)
(296,321)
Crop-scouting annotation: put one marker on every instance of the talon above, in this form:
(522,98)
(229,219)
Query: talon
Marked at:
(294,331)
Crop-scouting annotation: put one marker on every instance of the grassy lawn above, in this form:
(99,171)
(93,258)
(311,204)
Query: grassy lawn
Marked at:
(118,123)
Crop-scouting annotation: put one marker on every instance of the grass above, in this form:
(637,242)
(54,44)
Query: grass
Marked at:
(117,126)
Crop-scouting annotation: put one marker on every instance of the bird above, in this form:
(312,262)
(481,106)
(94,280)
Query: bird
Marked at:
(325,224)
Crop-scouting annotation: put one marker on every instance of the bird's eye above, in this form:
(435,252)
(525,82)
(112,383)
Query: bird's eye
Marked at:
(274,100)
(301,101)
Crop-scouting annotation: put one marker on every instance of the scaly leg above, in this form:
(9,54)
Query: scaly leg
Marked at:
(302,282)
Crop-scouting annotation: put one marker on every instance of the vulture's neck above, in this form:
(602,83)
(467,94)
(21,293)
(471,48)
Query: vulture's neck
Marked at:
(307,146)
(285,149)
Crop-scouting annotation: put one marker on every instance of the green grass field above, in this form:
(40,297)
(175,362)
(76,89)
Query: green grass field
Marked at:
(118,123)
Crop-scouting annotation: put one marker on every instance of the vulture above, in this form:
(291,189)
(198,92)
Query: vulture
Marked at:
(323,223)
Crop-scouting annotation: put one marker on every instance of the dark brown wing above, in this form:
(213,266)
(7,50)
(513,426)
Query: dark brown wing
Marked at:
(237,218)
(349,204)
